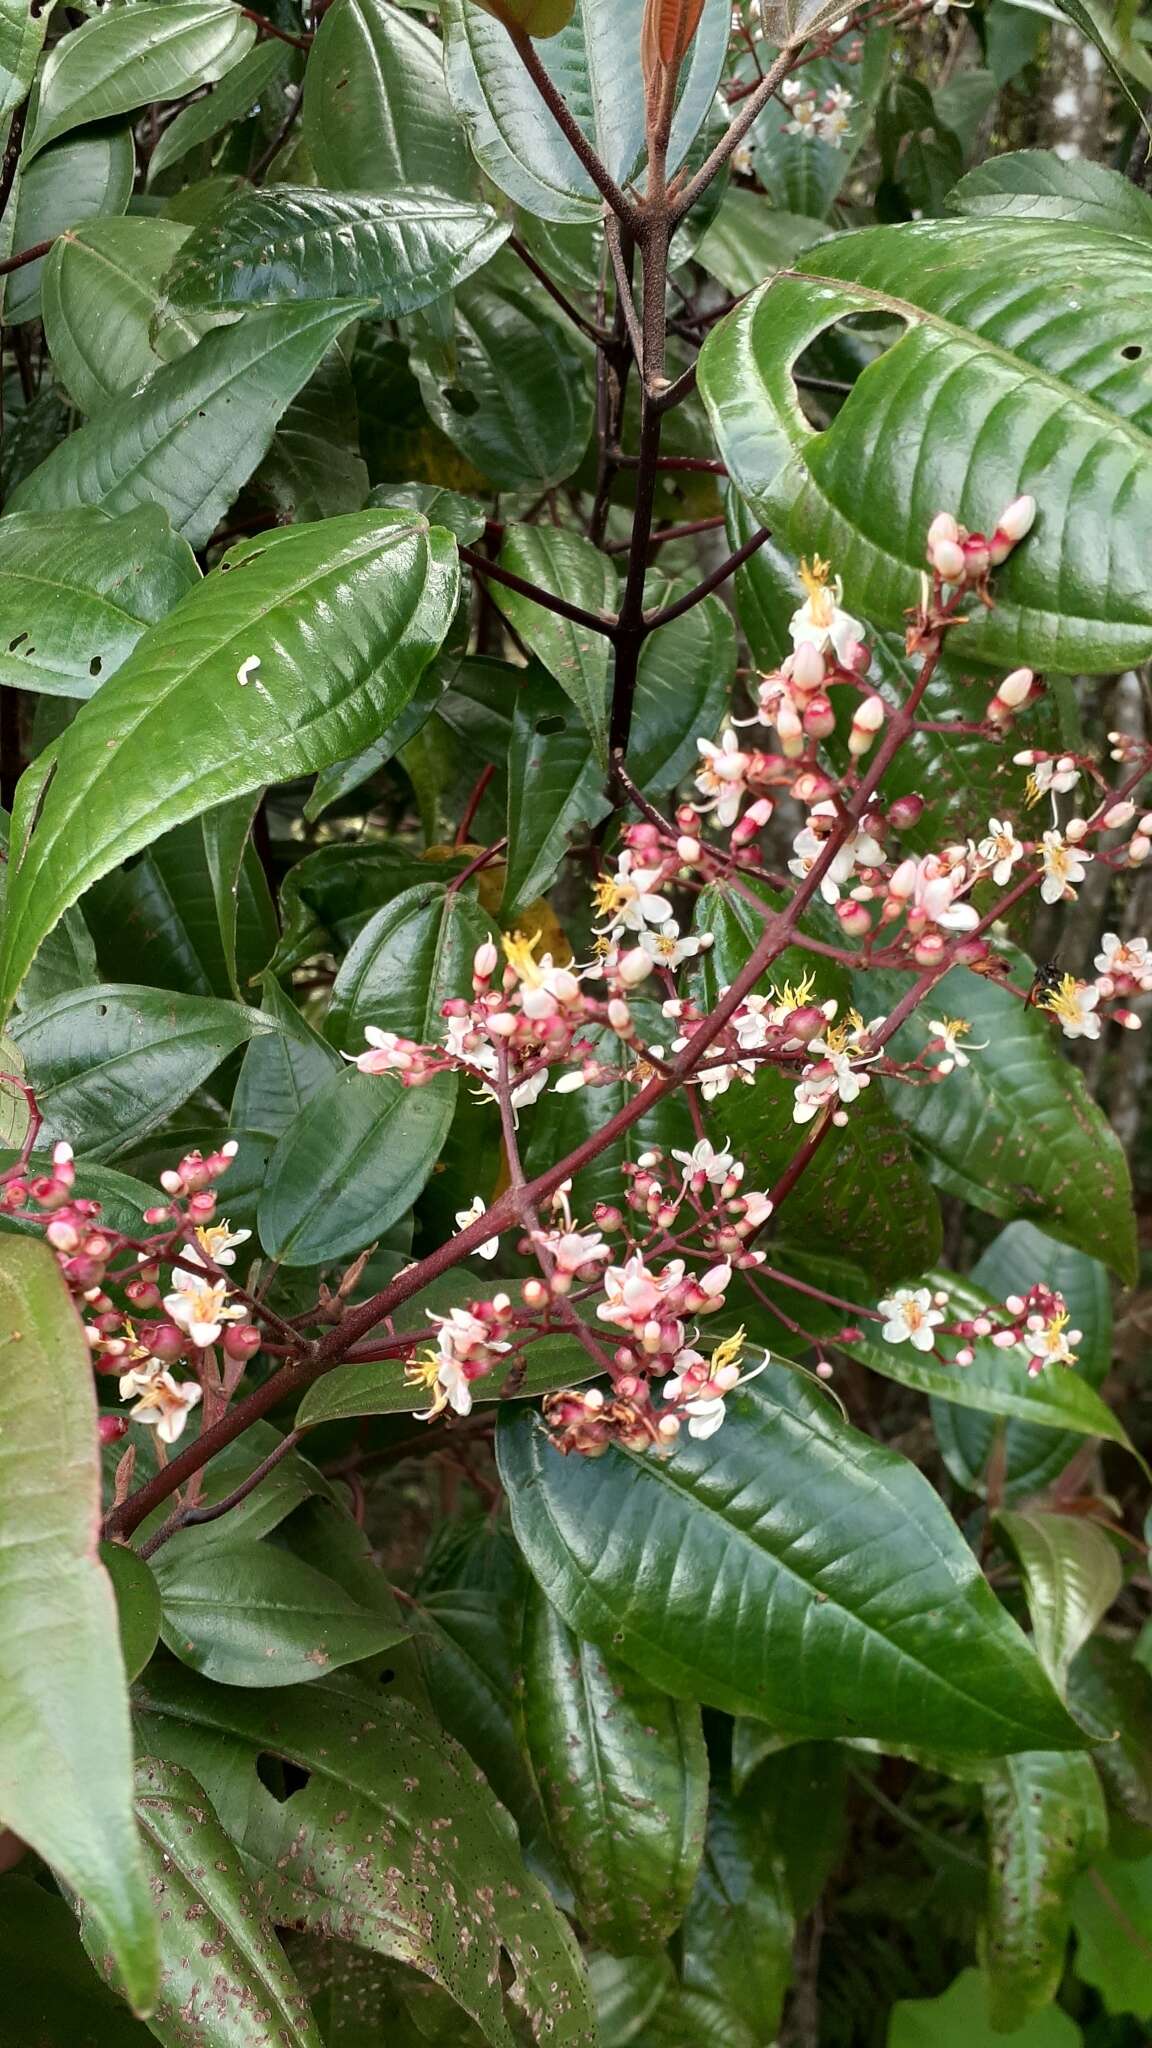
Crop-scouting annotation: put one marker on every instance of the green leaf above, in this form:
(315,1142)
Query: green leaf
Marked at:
(175,916)
(52,1995)
(685,674)
(123,59)
(465,517)
(21,37)
(881,1622)
(290,245)
(555,791)
(1032,1458)
(222,1965)
(864,1195)
(77,590)
(566,564)
(111,1063)
(246,1614)
(376,1766)
(406,963)
(376,109)
(750,239)
(198,429)
(137,1605)
(104,323)
(282,1069)
(997,1381)
(798,1800)
(242,901)
(518,404)
(959,2018)
(737,1935)
(1111,1913)
(468,1644)
(1111,1696)
(1039,185)
(799,172)
(291,1482)
(1072,1574)
(314,468)
(115,788)
(1045,1820)
(977,391)
(627,1991)
(243,87)
(72,182)
(1016,1129)
(595,63)
(623,1776)
(65,1754)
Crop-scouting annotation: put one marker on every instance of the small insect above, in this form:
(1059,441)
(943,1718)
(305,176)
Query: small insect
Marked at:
(1045,982)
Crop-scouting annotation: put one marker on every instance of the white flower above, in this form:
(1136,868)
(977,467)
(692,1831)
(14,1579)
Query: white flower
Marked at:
(387,1053)
(201,1307)
(1002,848)
(820,621)
(1074,1003)
(703,1158)
(831,122)
(911,1318)
(572,1249)
(1051,1342)
(1064,866)
(709,1384)
(217,1241)
(162,1403)
(666,947)
(860,849)
(949,1031)
(1125,960)
(626,900)
(832,1078)
(472,1214)
(1051,774)
(721,778)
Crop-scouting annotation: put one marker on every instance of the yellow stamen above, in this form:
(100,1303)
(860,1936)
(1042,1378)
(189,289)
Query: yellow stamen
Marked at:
(519,951)
(955,1027)
(795,998)
(1032,791)
(610,896)
(1062,1002)
(728,1351)
(423,1372)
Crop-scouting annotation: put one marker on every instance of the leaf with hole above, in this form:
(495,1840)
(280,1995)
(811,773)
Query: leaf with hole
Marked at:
(77,590)
(881,1623)
(385,589)
(1036,380)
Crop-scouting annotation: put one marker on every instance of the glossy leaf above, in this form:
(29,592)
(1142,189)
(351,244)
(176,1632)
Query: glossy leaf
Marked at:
(376,109)
(881,1623)
(518,403)
(997,1381)
(798,1798)
(959,2018)
(738,1929)
(556,791)
(65,1753)
(246,1614)
(1020,385)
(77,590)
(570,566)
(685,672)
(123,59)
(75,180)
(376,1766)
(406,963)
(1039,185)
(21,39)
(282,1069)
(627,1991)
(314,468)
(463,516)
(1016,1129)
(241,88)
(200,427)
(750,239)
(290,245)
(137,1605)
(1015,1259)
(188,910)
(221,1961)
(468,1640)
(1072,1574)
(595,62)
(1045,1820)
(623,1776)
(1111,1913)
(111,1063)
(103,321)
(291,1482)
(392,587)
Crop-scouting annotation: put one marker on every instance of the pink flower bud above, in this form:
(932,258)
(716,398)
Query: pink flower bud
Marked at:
(806,671)
(1017,519)
(241,1340)
(635,967)
(1016,688)
(790,729)
(1075,830)
(853,919)
(485,961)
(947,558)
(929,949)
(902,880)
(943,527)
(805,1024)
(620,1018)
(977,557)
(1119,814)
(163,1340)
(1139,847)
(819,717)
(110,1428)
(688,849)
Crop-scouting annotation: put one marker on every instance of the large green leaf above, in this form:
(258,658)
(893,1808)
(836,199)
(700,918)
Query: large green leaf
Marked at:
(77,590)
(291,1482)
(103,321)
(682,684)
(376,109)
(864,1195)
(76,180)
(289,245)
(314,468)
(997,1382)
(1111,1913)
(556,790)
(736,1940)
(384,589)
(959,2018)
(787,1568)
(111,1063)
(454,1900)
(243,87)
(517,402)
(65,1752)
(1032,1457)
(750,239)
(1072,1574)
(596,63)
(1046,1820)
(623,1776)
(1040,185)
(468,1640)
(1016,1129)
(222,1965)
(248,1614)
(193,913)
(1018,369)
(198,429)
(409,960)
(565,564)
(128,56)
(137,1605)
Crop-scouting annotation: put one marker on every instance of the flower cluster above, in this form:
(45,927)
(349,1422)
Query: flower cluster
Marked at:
(825,117)
(1037,1320)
